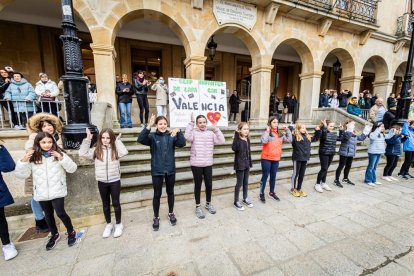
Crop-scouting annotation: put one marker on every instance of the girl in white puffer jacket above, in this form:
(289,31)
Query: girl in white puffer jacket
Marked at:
(106,154)
(48,164)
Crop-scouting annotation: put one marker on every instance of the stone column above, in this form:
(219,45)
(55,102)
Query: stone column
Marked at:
(260,94)
(351,83)
(194,66)
(384,88)
(310,86)
(104,58)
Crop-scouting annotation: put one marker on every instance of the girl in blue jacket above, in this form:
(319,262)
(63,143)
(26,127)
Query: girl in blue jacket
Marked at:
(162,144)
(392,152)
(408,146)
(6,165)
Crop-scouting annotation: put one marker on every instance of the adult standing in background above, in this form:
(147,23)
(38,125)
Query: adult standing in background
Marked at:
(377,112)
(141,90)
(289,105)
(343,97)
(47,91)
(161,91)
(5,81)
(234,105)
(125,91)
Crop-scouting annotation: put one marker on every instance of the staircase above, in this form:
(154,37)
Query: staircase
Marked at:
(136,167)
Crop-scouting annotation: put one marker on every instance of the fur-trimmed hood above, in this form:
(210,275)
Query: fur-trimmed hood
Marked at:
(34,122)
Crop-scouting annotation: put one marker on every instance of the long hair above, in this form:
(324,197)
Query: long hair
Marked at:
(375,126)
(299,135)
(38,152)
(269,123)
(98,154)
(240,126)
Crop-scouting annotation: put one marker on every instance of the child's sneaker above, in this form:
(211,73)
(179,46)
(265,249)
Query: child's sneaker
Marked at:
(156,224)
(262,198)
(72,238)
(392,178)
(107,231)
(247,202)
(9,251)
(326,187)
(273,196)
(338,184)
(295,193)
(199,212)
(403,176)
(347,181)
(302,193)
(210,208)
(238,206)
(119,228)
(370,184)
(386,178)
(318,188)
(52,241)
(172,219)
(377,183)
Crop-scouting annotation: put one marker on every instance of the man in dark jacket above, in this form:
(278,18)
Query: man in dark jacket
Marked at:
(125,91)
(343,97)
(389,116)
(324,99)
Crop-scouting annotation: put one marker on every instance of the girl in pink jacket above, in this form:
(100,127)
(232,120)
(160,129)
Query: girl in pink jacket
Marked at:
(201,160)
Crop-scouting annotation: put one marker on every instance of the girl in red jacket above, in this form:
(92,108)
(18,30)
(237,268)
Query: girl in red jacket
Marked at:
(272,142)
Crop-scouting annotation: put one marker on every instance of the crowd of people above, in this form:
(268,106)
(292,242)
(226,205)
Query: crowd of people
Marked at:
(47,163)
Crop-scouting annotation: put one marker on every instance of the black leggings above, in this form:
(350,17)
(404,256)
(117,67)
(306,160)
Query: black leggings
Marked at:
(299,168)
(109,191)
(344,161)
(58,205)
(4,228)
(392,161)
(242,180)
(326,161)
(157,182)
(198,173)
(234,116)
(407,162)
(142,100)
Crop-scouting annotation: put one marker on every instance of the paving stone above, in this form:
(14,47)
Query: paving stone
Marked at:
(304,239)
(302,265)
(380,214)
(278,247)
(407,261)
(273,271)
(393,208)
(94,245)
(250,258)
(104,264)
(60,270)
(335,263)
(325,231)
(403,237)
(346,225)
(363,219)
(216,264)
(188,269)
(139,262)
(380,244)
(392,269)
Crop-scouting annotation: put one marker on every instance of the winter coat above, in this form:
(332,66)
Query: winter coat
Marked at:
(349,143)
(272,144)
(368,103)
(21,91)
(354,110)
(302,149)
(161,93)
(290,103)
(376,113)
(391,100)
(124,97)
(234,103)
(393,145)
(242,156)
(3,87)
(162,147)
(377,141)
(389,116)
(409,132)
(49,85)
(323,100)
(333,102)
(327,144)
(6,165)
(107,170)
(343,98)
(361,102)
(202,144)
(49,177)
(139,87)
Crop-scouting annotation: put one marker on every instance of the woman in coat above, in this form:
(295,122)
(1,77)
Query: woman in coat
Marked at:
(234,105)
(161,93)
(47,91)
(289,105)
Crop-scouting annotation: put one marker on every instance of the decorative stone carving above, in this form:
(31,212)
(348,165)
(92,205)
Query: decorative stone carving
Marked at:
(197,4)
(399,44)
(324,26)
(235,12)
(364,36)
(271,12)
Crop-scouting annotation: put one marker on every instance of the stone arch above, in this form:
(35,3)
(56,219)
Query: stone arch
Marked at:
(303,51)
(346,59)
(400,69)
(381,67)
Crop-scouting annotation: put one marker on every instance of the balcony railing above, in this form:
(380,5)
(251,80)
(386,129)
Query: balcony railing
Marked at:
(360,10)
(404,24)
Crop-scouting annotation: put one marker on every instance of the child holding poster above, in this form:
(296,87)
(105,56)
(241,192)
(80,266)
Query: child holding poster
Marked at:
(201,160)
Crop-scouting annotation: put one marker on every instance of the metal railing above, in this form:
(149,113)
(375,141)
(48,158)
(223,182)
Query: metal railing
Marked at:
(364,114)
(404,24)
(15,114)
(315,4)
(362,10)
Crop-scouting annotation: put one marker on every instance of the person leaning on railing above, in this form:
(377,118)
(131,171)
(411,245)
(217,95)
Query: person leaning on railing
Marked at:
(47,91)
(5,81)
(22,95)
(353,107)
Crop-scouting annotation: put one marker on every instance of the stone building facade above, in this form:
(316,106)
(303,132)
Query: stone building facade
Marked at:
(300,38)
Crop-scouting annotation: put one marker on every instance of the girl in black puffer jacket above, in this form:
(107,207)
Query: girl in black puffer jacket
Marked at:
(327,150)
(301,144)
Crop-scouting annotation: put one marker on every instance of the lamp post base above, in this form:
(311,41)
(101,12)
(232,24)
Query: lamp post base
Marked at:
(73,135)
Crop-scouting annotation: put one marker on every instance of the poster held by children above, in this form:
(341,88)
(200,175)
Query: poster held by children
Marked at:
(207,98)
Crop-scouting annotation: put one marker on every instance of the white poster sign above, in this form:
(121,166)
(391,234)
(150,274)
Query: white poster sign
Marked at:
(235,12)
(206,98)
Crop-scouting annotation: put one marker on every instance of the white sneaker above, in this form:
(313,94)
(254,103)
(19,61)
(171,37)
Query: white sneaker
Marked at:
(16,126)
(386,178)
(318,188)
(9,251)
(378,183)
(371,184)
(326,187)
(393,178)
(118,230)
(108,230)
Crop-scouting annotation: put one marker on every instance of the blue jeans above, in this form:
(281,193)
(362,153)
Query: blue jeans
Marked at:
(125,110)
(268,167)
(370,173)
(37,210)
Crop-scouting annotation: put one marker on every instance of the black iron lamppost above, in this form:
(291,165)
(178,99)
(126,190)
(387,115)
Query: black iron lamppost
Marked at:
(75,84)
(403,106)
(212,46)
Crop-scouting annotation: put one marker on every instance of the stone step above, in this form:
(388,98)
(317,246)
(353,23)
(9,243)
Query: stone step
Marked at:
(185,177)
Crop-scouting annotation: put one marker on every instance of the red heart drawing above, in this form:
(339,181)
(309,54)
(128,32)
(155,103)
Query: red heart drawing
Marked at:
(213,117)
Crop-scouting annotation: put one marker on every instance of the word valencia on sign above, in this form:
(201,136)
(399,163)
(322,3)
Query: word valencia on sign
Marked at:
(206,98)
(235,12)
